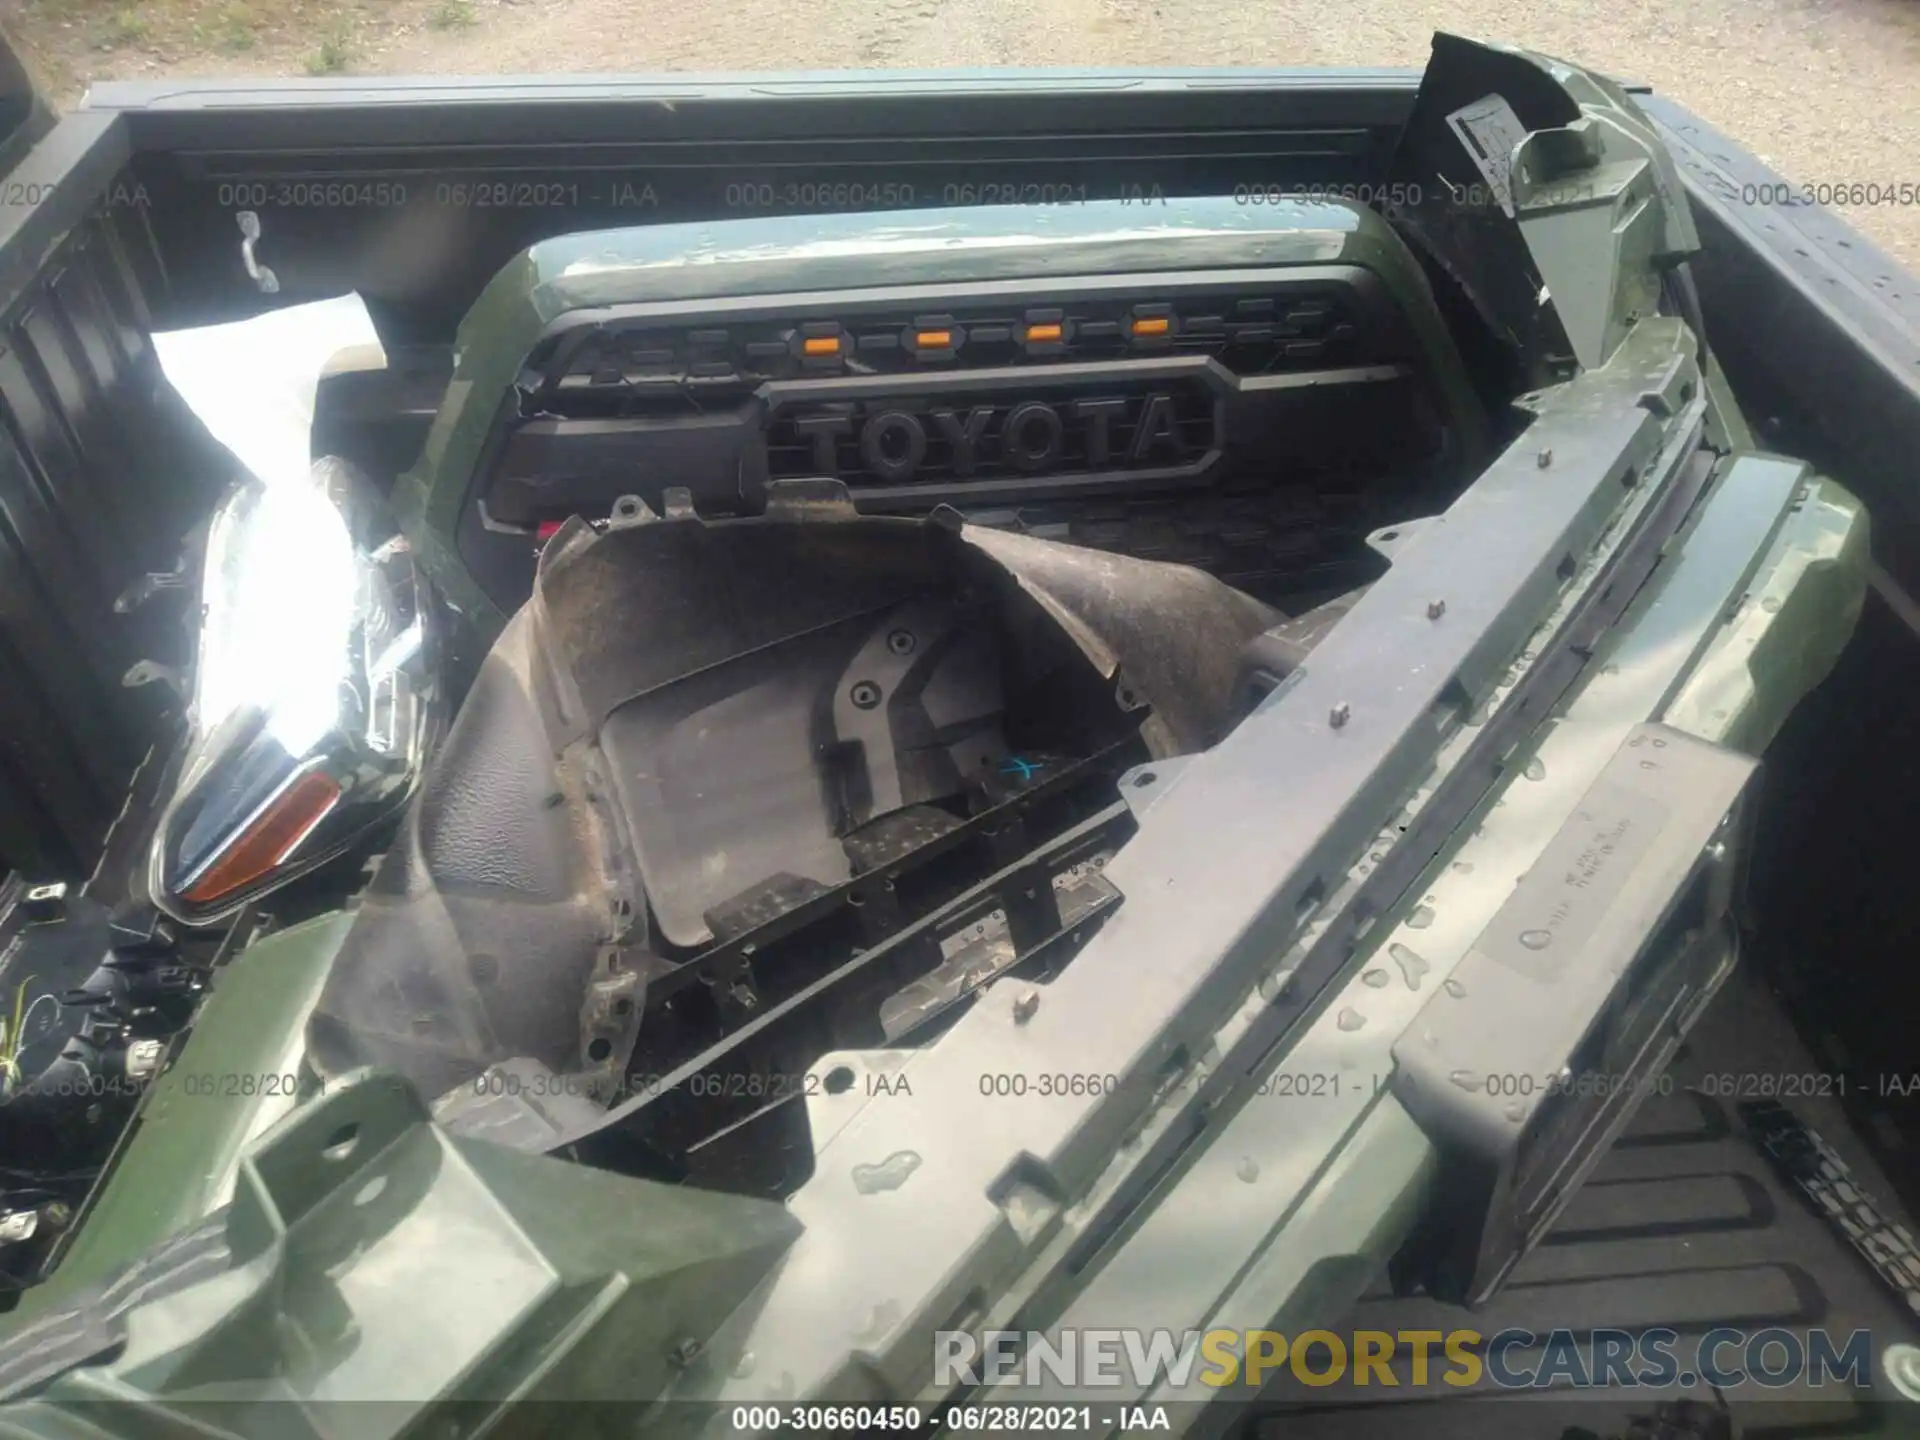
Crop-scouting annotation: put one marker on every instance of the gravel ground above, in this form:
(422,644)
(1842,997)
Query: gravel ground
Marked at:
(1827,91)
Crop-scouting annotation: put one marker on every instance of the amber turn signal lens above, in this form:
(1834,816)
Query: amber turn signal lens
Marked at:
(1151,326)
(272,836)
(934,339)
(822,345)
(1041,334)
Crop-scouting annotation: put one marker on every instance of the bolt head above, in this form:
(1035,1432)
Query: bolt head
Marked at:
(1543,459)
(1339,715)
(143,1058)
(1435,609)
(901,642)
(865,695)
(1024,1006)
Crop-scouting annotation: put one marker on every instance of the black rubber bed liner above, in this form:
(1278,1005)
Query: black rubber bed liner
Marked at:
(1686,1224)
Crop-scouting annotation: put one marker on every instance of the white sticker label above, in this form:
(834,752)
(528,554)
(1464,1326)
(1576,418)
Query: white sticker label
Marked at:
(1490,131)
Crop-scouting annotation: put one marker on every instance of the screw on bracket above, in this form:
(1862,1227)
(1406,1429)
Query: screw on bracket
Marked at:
(1543,459)
(1435,609)
(1339,715)
(1024,1006)
(865,695)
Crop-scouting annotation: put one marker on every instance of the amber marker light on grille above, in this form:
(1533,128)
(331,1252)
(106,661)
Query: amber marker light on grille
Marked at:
(821,345)
(934,339)
(1151,325)
(1041,334)
(272,835)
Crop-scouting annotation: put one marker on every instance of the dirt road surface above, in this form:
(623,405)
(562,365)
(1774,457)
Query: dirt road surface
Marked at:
(1827,91)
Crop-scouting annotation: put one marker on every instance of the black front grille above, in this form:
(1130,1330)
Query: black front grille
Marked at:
(623,368)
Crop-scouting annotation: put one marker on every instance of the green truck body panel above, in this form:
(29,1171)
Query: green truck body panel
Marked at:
(381,1274)
(204,1113)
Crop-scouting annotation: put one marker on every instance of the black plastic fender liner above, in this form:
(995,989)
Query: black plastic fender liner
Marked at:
(691,715)
(1158,631)
(646,602)
(479,934)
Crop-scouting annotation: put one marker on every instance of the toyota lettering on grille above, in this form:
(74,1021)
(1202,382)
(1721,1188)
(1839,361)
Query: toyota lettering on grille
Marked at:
(894,442)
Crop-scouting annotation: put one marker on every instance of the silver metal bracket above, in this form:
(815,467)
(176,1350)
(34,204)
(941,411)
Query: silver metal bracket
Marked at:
(268,282)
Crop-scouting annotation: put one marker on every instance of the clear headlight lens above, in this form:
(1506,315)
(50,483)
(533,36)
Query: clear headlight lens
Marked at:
(314,703)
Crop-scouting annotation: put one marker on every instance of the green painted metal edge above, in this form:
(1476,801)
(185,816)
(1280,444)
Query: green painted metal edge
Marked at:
(228,1085)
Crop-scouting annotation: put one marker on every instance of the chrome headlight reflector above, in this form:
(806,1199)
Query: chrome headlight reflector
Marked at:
(314,702)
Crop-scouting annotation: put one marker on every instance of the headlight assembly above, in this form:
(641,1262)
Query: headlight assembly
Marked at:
(314,702)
